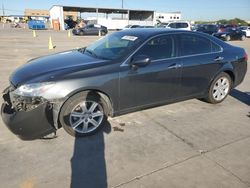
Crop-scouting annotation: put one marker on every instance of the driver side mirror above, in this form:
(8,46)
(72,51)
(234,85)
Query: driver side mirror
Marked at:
(140,61)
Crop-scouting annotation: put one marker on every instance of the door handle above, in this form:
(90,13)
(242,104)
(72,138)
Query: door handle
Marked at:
(174,66)
(219,58)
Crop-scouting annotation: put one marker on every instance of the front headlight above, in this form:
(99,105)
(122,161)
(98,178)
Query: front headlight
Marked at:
(223,35)
(33,90)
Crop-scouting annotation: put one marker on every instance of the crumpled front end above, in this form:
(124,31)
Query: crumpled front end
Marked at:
(27,117)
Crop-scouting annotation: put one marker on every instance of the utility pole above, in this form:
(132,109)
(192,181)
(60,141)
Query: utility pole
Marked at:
(3,10)
(122,8)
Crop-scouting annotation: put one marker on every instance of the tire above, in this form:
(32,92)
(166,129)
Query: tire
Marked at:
(243,37)
(219,88)
(103,33)
(81,33)
(228,38)
(83,114)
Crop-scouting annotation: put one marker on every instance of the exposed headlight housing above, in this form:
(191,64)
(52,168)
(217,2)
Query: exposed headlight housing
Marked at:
(33,90)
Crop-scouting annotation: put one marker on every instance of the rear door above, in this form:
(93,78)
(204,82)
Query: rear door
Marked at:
(201,59)
(91,30)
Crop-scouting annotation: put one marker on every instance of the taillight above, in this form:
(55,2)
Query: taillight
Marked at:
(245,56)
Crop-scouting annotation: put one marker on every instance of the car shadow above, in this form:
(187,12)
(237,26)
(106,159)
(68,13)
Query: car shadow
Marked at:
(243,97)
(88,161)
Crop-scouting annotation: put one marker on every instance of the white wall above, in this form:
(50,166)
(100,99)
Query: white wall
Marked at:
(56,12)
(166,17)
(112,24)
(121,23)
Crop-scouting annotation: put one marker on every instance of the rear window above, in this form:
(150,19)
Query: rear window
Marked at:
(178,25)
(181,25)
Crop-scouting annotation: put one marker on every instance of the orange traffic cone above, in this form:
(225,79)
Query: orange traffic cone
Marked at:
(51,47)
(34,33)
(69,33)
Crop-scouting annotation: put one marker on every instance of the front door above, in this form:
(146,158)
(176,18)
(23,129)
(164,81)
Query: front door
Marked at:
(155,83)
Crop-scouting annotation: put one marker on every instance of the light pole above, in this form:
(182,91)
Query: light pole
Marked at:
(3,10)
(122,8)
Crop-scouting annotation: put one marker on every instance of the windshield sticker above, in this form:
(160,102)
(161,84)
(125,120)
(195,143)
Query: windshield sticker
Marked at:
(130,38)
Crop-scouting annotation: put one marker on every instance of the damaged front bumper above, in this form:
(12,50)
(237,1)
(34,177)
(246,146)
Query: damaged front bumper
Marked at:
(27,118)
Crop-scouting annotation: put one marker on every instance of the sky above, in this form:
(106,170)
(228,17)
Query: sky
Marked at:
(191,9)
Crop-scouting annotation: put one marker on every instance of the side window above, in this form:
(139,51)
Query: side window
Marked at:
(184,25)
(215,47)
(90,26)
(158,48)
(193,44)
(172,25)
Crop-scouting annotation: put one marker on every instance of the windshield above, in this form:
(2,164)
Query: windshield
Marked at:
(113,46)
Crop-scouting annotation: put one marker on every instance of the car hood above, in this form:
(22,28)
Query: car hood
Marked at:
(48,67)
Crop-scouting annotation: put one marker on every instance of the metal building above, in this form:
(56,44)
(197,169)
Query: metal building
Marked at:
(109,17)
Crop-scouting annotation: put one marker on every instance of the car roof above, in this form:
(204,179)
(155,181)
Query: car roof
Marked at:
(151,32)
(148,32)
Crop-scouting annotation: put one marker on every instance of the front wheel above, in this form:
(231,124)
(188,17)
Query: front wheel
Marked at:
(83,114)
(103,33)
(219,88)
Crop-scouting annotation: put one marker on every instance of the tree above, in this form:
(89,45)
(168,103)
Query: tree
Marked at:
(235,21)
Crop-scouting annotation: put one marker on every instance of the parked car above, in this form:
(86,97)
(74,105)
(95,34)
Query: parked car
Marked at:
(223,27)
(245,29)
(91,29)
(131,27)
(137,26)
(123,72)
(183,25)
(66,27)
(146,26)
(231,34)
(196,27)
(208,28)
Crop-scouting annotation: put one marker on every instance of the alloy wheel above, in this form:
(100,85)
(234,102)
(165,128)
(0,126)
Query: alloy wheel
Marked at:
(221,88)
(86,117)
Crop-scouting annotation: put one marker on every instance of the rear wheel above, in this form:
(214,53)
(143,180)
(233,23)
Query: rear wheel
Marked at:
(219,88)
(83,114)
(243,37)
